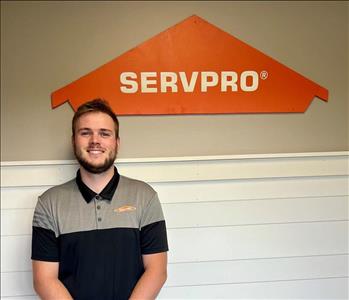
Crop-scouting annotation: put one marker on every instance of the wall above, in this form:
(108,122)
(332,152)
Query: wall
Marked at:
(255,227)
(272,226)
(46,45)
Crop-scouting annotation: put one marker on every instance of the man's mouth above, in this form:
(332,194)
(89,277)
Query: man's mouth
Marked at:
(95,151)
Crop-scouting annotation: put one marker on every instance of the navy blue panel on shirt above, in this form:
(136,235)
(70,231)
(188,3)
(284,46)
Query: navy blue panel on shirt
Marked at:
(100,264)
(44,245)
(154,238)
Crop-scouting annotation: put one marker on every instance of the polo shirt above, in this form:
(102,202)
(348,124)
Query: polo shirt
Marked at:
(99,239)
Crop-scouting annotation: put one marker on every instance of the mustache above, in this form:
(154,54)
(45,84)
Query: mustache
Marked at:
(95,146)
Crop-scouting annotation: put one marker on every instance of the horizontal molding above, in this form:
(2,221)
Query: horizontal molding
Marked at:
(187,169)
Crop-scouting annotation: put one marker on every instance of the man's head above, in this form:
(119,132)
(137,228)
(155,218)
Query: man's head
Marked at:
(95,136)
(96,105)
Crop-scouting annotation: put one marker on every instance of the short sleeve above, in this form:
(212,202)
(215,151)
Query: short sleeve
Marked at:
(44,240)
(153,228)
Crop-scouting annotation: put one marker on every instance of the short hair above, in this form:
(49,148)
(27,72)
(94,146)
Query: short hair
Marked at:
(96,105)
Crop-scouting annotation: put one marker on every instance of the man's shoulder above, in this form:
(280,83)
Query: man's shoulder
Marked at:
(60,189)
(136,185)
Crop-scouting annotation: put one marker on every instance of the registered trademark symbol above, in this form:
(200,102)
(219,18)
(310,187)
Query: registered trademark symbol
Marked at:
(264,75)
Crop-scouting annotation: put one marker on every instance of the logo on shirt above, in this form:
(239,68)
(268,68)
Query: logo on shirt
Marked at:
(125,208)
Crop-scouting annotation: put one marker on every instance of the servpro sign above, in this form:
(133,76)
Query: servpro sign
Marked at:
(169,81)
(193,68)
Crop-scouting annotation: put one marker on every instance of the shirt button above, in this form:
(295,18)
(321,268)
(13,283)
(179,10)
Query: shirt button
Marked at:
(98,207)
(99,219)
(98,197)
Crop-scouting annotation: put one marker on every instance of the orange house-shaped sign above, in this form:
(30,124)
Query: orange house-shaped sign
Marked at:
(193,68)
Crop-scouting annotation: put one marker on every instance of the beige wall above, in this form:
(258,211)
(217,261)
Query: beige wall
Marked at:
(46,45)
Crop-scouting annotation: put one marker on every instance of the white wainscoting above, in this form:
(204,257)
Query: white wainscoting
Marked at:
(239,227)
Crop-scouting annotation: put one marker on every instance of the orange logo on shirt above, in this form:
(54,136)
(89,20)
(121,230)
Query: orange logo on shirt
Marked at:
(125,208)
(193,68)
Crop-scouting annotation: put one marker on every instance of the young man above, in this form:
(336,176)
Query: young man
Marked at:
(101,235)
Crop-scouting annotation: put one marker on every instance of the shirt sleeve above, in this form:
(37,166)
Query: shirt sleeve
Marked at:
(153,228)
(44,238)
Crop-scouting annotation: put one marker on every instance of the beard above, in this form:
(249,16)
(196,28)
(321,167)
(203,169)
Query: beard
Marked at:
(95,168)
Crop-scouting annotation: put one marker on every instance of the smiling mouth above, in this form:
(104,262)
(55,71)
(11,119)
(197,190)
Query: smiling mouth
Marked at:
(95,151)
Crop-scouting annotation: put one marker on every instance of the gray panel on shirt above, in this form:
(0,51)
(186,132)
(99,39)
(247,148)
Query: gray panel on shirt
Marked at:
(63,209)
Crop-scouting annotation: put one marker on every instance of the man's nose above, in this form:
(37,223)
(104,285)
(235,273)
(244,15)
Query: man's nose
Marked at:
(94,138)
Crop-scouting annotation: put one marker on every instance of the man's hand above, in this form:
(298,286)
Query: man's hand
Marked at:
(46,282)
(153,278)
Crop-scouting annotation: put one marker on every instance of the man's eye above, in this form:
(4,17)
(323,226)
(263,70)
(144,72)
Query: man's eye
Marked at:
(105,134)
(84,133)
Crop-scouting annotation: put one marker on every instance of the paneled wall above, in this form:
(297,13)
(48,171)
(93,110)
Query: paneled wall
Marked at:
(254,226)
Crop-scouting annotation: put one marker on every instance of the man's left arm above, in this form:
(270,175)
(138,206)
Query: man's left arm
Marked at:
(153,278)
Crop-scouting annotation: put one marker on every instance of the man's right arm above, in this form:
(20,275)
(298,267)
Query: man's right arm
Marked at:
(45,253)
(46,282)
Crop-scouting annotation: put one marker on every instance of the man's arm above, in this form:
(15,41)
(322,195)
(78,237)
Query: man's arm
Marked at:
(153,278)
(46,282)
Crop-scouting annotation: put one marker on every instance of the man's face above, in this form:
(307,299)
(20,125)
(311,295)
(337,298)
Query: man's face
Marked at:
(95,144)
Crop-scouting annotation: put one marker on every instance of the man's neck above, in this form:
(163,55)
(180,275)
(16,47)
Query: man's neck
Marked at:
(96,182)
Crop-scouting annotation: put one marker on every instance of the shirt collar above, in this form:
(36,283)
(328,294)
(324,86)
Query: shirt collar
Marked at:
(106,193)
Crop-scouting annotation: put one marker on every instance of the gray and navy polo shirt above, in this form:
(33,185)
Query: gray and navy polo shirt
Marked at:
(99,239)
